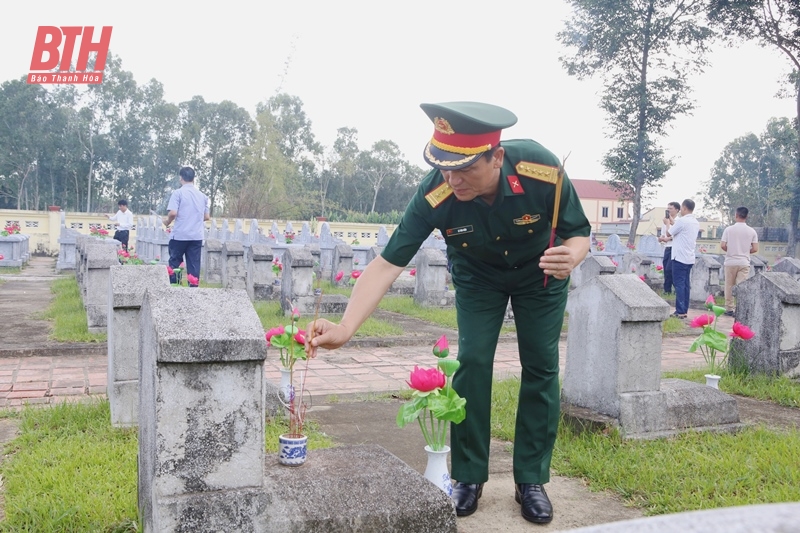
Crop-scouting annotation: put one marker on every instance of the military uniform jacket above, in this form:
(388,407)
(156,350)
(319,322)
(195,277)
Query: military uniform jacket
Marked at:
(511,232)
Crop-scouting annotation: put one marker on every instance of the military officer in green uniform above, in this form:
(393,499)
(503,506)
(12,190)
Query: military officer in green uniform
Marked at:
(494,203)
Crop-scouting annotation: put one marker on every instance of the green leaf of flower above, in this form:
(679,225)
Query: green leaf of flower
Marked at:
(717,310)
(448,366)
(450,407)
(410,410)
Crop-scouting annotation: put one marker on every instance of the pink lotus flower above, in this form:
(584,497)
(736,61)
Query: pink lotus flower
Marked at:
(158,258)
(441,348)
(426,379)
(1,257)
(339,276)
(659,267)
(182,265)
(710,301)
(702,320)
(413,272)
(170,271)
(300,336)
(295,313)
(192,280)
(741,331)
(643,278)
(355,274)
(274,331)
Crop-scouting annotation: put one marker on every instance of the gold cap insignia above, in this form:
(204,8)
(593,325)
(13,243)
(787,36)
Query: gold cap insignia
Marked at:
(441,125)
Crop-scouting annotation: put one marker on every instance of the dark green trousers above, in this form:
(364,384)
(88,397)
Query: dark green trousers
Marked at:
(482,294)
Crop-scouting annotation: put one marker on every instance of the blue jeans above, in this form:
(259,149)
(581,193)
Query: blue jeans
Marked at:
(190,249)
(680,276)
(667,264)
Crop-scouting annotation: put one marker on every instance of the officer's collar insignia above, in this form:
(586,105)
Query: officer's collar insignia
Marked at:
(439,194)
(526,219)
(515,185)
(537,171)
(441,125)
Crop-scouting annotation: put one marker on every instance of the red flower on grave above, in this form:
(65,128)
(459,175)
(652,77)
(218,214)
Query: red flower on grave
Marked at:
(643,278)
(339,276)
(741,331)
(355,274)
(659,267)
(413,272)
(192,280)
(170,271)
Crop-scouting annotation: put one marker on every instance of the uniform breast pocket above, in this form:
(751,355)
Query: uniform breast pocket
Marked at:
(528,226)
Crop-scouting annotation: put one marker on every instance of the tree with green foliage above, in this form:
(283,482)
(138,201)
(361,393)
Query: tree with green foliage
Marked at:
(756,172)
(645,51)
(776,24)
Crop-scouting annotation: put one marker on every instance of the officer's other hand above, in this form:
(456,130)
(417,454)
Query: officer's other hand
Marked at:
(326,335)
(558,262)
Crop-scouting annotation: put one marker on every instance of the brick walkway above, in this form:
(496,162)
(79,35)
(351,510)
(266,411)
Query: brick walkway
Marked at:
(344,371)
(68,374)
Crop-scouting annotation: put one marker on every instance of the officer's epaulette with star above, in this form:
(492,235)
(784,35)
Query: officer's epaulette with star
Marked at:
(537,171)
(439,194)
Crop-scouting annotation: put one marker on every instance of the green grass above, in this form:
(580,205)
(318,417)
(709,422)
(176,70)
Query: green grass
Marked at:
(271,315)
(688,472)
(673,325)
(440,316)
(70,470)
(780,390)
(68,315)
(10,270)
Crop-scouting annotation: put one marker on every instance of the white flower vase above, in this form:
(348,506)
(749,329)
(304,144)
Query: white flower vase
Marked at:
(292,449)
(712,380)
(436,471)
(285,389)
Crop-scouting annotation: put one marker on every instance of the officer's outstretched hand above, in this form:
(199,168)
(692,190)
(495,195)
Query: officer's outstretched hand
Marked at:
(323,333)
(558,261)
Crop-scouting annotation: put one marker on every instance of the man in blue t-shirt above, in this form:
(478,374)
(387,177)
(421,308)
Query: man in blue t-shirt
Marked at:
(189,208)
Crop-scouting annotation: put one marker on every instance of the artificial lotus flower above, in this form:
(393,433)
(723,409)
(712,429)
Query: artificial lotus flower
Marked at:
(170,271)
(1,257)
(300,336)
(659,267)
(413,272)
(643,278)
(702,320)
(434,401)
(339,276)
(710,301)
(193,280)
(295,314)
(741,331)
(274,331)
(426,379)
(355,274)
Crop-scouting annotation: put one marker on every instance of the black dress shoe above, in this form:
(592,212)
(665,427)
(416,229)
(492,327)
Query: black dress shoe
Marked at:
(536,506)
(465,496)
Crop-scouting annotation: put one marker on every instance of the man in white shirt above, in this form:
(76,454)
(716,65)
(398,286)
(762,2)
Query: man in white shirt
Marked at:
(684,241)
(124,222)
(673,208)
(738,242)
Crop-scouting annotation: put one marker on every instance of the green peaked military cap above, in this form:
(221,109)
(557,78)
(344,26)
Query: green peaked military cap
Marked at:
(463,131)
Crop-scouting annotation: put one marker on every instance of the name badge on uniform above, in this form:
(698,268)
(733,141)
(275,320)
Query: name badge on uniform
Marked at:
(458,231)
(526,219)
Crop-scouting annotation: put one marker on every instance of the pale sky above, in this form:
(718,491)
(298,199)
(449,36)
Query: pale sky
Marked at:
(368,65)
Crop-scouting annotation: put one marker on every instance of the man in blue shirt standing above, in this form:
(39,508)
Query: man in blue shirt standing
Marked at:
(189,208)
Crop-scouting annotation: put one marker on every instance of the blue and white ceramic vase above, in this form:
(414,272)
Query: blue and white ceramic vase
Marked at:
(292,449)
(436,471)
